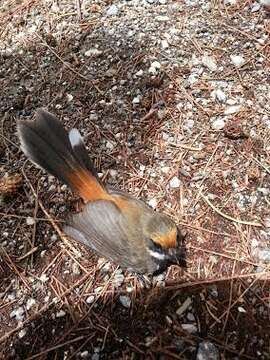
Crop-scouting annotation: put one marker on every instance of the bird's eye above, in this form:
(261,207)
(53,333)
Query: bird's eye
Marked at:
(154,246)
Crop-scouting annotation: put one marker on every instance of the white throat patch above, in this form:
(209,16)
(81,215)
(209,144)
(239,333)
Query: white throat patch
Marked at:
(157,255)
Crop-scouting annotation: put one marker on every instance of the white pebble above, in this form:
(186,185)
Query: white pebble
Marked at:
(193,79)
(30,302)
(125,301)
(69,97)
(237,60)
(165,169)
(60,313)
(190,328)
(109,145)
(188,124)
(153,203)
(209,62)
(232,109)
(139,73)
(43,278)
(17,313)
(30,221)
(93,52)
(90,299)
(267,222)
(112,10)
(113,173)
(218,124)
(241,309)
(175,182)
(22,333)
(84,354)
(136,99)
(164,44)
(219,95)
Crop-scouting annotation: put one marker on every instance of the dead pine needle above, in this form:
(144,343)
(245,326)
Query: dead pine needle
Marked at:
(228,217)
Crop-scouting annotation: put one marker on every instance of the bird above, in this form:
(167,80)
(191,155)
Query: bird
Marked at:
(112,223)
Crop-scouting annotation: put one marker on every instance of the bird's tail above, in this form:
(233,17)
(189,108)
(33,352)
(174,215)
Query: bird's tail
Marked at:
(45,141)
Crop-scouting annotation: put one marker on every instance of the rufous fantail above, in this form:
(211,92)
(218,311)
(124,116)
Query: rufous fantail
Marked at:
(114,224)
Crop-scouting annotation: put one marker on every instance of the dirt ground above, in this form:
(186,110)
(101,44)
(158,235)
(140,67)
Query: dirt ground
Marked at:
(172,98)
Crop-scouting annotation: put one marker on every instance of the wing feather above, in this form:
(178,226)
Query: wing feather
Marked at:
(102,227)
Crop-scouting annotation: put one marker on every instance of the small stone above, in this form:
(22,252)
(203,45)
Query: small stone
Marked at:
(241,309)
(17,313)
(118,279)
(218,124)
(84,354)
(190,328)
(76,268)
(237,60)
(153,203)
(266,4)
(125,301)
(22,333)
(188,124)
(207,351)
(109,145)
(112,10)
(219,95)
(162,18)
(60,313)
(162,2)
(93,117)
(90,299)
(30,221)
(30,302)
(43,278)
(232,109)
(154,67)
(267,222)
(264,254)
(175,182)
(113,173)
(184,306)
(209,62)
(69,97)
(190,317)
(139,73)
(165,169)
(256,7)
(93,52)
(136,100)
(254,243)
(164,44)
(193,79)
(99,289)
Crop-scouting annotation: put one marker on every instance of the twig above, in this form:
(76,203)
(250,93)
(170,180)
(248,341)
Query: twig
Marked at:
(56,347)
(228,217)
(30,252)
(172,286)
(184,146)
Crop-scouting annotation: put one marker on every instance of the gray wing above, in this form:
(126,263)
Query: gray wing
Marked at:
(103,228)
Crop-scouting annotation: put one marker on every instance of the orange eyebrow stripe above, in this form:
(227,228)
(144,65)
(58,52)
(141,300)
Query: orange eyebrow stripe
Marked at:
(167,241)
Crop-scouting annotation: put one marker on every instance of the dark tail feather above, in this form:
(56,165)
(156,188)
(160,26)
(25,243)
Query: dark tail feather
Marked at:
(80,151)
(46,142)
